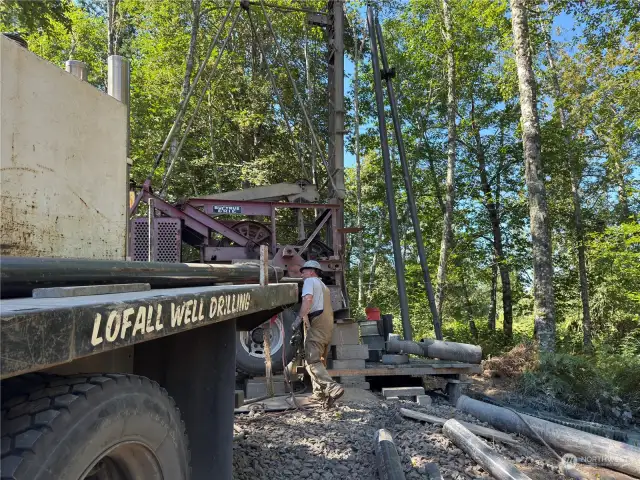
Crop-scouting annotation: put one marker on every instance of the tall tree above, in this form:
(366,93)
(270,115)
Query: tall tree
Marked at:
(492,205)
(544,302)
(452,111)
(112,27)
(574,175)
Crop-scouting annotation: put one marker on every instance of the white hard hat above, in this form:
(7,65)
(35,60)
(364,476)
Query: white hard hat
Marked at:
(311,264)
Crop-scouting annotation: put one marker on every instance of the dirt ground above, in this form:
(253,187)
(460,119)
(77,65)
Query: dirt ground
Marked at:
(319,444)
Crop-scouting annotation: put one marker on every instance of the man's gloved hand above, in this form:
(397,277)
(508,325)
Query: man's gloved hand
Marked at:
(296,338)
(296,323)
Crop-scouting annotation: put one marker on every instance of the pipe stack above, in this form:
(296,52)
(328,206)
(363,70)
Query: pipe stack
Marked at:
(20,275)
(460,352)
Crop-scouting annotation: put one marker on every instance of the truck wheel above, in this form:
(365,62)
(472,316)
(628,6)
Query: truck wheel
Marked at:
(96,427)
(250,345)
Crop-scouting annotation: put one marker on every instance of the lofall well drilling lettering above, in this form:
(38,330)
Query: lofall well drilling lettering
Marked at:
(133,322)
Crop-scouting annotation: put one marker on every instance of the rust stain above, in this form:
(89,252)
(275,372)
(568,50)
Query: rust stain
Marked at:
(45,167)
(25,169)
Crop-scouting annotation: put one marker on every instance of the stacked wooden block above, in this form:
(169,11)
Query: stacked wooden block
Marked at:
(348,354)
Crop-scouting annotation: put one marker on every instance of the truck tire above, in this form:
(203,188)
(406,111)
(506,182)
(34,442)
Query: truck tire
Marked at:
(90,427)
(249,345)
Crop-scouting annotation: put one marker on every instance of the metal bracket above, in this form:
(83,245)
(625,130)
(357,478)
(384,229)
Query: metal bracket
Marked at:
(318,20)
(315,232)
(388,73)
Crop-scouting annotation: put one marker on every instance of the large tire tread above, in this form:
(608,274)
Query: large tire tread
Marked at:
(35,401)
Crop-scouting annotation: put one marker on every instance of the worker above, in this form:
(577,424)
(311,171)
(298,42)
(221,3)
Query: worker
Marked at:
(317,315)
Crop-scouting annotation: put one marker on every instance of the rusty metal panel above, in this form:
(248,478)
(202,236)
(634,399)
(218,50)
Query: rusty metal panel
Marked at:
(62,160)
(38,333)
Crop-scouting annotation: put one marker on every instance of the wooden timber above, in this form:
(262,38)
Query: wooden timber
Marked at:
(415,368)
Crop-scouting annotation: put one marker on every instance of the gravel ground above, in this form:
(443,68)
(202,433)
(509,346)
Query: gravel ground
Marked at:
(319,444)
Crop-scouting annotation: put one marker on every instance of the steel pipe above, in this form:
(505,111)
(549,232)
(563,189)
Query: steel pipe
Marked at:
(388,182)
(395,345)
(119,87)
(20,275)
(77,69)
(461,352)
(595,449)
(387,459)
(408,188)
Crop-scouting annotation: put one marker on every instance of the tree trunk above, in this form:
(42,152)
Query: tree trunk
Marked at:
(577,207)
(494,294)
(469,307)
(186,82)
(490,203)
(374,261)
(112,34)
(544,323)
(447,228)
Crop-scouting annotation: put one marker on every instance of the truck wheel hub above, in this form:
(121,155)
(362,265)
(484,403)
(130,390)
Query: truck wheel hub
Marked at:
(253,341)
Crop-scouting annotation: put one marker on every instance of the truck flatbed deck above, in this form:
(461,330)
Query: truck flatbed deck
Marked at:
(38,333)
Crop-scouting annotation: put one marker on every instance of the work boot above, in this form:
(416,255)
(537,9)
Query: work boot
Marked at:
(318,398)
(333,396)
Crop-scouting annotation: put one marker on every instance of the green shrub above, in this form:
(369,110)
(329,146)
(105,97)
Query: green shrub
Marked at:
(606,384)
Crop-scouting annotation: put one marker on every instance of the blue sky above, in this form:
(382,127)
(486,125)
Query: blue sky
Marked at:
(568,30)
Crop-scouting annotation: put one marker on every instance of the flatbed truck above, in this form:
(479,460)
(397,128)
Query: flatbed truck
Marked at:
(103,380)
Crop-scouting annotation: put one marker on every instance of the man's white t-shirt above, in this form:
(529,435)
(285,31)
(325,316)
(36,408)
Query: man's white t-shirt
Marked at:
(313,286)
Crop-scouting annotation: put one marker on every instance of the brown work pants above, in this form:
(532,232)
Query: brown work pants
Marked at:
(316,343)
(323,384)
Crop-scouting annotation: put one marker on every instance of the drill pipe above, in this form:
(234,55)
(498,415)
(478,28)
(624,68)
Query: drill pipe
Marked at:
(20,275)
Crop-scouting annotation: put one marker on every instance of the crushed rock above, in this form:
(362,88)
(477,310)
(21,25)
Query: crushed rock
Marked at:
(318,444)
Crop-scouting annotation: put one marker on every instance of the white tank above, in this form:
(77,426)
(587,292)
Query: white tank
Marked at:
(63,150)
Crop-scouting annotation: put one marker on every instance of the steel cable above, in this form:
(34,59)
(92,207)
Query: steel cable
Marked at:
(297,95)
(183,107)
(165,179)
(276,91)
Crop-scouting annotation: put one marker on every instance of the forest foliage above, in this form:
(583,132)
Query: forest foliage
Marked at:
(586,62)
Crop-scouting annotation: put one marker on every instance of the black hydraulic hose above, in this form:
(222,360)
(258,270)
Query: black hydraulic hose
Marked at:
(20,275)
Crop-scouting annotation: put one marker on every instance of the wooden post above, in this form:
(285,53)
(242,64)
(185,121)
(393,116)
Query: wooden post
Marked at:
(266,330)
(482,453)
(387,459)
(152,216)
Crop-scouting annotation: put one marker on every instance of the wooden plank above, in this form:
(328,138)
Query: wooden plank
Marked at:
(477,429)
(389,370)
